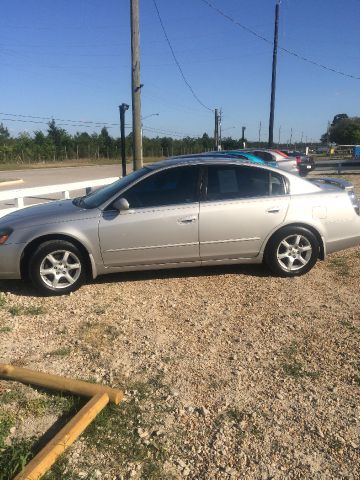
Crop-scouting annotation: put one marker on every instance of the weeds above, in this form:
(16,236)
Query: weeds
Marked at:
(350,326)
(340,266)
(15,310)
(60,352)
(293,367)
(5,329)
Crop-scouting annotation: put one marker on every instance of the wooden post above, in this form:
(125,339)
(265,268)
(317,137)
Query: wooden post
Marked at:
(42,462)
(78,387)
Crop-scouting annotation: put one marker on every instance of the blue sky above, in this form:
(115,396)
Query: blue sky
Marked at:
(70,59)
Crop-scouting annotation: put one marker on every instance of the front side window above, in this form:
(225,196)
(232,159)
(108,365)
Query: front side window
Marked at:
(173,186)
(231,182)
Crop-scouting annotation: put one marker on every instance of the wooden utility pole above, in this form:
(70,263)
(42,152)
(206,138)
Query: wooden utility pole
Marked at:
(217,131)
(136,85)
(273,78)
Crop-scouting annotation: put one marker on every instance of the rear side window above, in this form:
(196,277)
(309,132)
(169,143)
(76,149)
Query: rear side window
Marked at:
(265,156)
(231,182)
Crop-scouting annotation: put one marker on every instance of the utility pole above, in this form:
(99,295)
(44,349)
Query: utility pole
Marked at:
(291,135)
(123,107)
(273,78)
(259,132)
(217,131)
(243,136)
(279,135)
(136,85)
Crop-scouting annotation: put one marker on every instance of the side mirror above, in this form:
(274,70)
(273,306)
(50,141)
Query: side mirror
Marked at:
(121,204)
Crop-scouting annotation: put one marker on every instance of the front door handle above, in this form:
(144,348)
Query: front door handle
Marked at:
(185,220)
(273,210)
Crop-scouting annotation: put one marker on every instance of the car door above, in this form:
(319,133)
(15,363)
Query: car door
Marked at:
(161,225)
(241,205)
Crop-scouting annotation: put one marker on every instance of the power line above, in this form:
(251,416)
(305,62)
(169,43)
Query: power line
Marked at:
(177,62)
(59,124)
(85,122)
(85,125)
(264,39)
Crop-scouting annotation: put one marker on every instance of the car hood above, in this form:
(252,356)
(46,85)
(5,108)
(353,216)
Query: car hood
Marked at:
(51,212)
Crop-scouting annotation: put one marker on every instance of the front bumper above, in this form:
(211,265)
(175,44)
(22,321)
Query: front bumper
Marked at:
(10,255)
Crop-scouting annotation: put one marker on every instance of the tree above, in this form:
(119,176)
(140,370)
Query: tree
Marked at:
(4,133)
(346,131)
(337,118)
(57,135)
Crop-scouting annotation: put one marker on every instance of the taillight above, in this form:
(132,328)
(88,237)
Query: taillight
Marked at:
(354,201)
(298,160)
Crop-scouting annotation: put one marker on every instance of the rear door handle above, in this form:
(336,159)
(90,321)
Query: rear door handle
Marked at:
(273,210)
(187,220)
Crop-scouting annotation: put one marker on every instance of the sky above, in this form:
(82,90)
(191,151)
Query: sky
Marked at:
(70,59)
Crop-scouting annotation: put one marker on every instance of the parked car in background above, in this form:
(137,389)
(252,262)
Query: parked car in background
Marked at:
(181,213)
(305,163)
(238,154)
(269,155)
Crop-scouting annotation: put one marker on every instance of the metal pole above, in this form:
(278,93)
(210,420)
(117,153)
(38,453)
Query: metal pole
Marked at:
(273,78)
(136,85)
(123,107)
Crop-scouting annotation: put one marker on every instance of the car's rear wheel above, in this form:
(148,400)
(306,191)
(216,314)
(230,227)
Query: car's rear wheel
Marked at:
(57,267)
(292,251)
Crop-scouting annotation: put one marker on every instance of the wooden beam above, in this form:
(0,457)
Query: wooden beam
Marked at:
(41,463)
(77,387)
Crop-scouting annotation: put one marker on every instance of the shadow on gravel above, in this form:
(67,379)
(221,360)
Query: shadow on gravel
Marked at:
(25,289)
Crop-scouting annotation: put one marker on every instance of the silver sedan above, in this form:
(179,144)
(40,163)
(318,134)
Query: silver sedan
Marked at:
(177,213)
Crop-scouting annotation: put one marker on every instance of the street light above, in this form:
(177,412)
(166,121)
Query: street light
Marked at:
(151,115)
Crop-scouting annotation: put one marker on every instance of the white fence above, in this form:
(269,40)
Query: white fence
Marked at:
(17,196)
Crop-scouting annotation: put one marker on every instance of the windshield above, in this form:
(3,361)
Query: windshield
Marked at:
(98,197)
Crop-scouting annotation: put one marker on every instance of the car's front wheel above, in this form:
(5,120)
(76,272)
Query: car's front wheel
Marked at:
(57,267)
(292,251)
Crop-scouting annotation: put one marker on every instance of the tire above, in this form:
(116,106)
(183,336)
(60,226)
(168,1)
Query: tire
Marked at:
(57,267)
(292,251)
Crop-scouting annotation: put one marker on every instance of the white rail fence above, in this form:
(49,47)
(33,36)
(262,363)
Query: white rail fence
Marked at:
(17,196)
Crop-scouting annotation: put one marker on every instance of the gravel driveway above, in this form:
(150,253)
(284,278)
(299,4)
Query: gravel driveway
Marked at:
(229,373)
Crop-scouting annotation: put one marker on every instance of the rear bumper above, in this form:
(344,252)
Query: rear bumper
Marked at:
(10,261)
(342,244)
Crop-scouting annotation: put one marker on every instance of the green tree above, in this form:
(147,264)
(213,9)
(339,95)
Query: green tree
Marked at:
(346,131)
(4,133)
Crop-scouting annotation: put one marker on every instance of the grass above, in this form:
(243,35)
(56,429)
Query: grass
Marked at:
(60,352)
(15,454)
(115,433)
(2,300)
(83,162)
(350,326)
(292,366)
(15,310)
(340,266)
(13,457)
(5,329)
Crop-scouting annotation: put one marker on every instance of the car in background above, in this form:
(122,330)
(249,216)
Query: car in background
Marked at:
(271,156)
(181,213)
(305,163)
(239,154)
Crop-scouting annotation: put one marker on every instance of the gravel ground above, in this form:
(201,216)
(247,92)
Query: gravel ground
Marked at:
(229,373)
